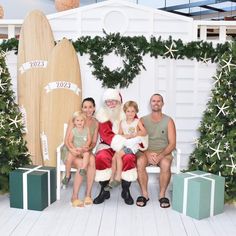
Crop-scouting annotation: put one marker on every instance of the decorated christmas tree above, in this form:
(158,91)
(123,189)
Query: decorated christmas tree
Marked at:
(13,150)
(215,150)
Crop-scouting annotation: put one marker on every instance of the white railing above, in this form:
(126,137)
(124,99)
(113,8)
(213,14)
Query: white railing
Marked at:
(10,28)
(216,31)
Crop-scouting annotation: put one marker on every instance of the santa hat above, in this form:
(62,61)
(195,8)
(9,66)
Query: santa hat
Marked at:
(112,94)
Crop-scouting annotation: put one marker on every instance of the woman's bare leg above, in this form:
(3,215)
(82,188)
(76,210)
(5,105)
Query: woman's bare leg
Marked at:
(78,179)
(90,175)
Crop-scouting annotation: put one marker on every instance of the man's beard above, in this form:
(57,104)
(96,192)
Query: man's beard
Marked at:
(113,113)
(156,109)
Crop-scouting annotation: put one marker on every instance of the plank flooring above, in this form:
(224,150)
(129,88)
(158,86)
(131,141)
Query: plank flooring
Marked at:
(112,218)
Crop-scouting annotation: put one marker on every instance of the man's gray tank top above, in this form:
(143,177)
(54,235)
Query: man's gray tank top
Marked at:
(157,132)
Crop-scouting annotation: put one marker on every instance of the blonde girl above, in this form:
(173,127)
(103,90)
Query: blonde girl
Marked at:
(130,127)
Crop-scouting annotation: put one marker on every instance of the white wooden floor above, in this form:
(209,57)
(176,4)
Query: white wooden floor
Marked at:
(113,217)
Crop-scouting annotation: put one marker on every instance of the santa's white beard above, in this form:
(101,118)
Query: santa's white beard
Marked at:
(114,114)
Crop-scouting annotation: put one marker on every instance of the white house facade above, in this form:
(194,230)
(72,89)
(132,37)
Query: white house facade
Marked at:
(184,84)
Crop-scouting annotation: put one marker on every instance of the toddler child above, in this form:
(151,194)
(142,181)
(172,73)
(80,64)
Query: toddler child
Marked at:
(79,139)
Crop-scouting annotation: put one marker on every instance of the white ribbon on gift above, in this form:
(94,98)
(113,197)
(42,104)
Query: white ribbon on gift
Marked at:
(185,195)
(25,186)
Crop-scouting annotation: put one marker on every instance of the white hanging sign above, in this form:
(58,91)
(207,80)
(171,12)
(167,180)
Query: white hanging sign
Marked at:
(44,143)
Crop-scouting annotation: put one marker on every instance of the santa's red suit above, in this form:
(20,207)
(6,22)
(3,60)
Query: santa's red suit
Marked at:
(111,141)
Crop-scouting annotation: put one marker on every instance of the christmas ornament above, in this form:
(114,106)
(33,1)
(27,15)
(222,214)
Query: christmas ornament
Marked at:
(63,5)
(1,12)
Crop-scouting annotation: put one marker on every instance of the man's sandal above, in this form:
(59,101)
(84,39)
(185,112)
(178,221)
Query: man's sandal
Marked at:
(88,201)
(77,203)
(164,202)
(142,200)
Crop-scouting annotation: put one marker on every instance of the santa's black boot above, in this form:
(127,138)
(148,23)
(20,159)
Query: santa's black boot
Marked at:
(125,194)
(103,195)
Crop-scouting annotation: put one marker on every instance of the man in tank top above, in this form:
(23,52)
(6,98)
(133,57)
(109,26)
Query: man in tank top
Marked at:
(162,141)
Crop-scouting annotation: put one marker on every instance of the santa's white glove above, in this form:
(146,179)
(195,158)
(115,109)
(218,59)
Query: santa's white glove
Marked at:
(132,143)
(134,149)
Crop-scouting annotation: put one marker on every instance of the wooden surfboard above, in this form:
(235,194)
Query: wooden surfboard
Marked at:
(35,45)
(60,98)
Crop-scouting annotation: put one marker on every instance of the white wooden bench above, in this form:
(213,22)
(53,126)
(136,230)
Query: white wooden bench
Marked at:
(61,170)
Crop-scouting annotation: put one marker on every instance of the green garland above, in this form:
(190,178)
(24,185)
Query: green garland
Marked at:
(9,45)
(132,50)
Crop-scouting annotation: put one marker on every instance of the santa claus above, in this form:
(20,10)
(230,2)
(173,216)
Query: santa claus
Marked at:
(109,117)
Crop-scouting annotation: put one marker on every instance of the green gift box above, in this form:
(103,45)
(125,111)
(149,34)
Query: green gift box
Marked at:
(198,194)
(32,187)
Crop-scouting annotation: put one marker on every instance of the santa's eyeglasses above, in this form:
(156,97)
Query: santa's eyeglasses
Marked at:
(111,101)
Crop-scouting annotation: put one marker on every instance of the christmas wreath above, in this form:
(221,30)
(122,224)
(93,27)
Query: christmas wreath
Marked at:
(124,47)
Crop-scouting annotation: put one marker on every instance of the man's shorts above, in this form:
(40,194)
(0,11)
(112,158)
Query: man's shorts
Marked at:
(141,153)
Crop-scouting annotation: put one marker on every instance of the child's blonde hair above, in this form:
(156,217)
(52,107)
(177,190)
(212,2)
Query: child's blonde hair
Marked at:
(131,104)
(79,114)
